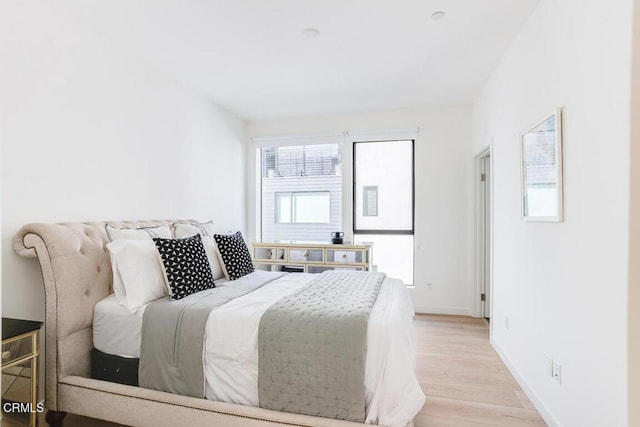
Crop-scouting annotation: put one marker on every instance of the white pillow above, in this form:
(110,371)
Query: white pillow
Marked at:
(138,267)
(182,230)
(210,248)
(142,233)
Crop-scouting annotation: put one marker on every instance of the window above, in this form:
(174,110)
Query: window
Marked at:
(303,207)
(302,160)
(383,173)
(301,192)
(383,204)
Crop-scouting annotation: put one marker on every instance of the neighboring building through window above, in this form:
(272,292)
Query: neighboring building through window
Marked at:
(301,192)
(303,207)
(370,200)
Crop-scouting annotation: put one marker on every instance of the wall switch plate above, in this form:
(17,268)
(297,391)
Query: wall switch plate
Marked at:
(549,366)
(557,372)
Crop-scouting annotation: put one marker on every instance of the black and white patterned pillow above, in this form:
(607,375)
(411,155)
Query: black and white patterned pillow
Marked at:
(234,255)
(186,265)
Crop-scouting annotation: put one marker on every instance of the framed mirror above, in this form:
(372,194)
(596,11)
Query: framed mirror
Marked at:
(541,153)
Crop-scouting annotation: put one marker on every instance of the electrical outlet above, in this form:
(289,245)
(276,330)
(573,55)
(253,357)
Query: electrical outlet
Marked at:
(549,366)
(429,287)
(506,322)
(557,372)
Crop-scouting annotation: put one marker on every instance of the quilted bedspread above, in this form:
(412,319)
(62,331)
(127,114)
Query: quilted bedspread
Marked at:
(312,347)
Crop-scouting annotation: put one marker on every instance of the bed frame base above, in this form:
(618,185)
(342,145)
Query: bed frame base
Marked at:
(143,407)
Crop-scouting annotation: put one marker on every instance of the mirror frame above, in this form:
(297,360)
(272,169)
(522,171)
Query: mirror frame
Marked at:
(557,141)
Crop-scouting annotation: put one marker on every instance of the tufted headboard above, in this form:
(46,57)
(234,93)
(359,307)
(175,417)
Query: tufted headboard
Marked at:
(77,274)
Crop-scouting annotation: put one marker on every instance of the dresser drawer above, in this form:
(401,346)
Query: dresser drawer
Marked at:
(305,255)
(17,349)
(268,254)
(345,256)
(263,254)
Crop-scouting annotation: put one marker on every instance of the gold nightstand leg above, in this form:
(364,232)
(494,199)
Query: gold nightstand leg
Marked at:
(35,345)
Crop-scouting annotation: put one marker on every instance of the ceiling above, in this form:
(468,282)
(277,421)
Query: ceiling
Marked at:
(252,58)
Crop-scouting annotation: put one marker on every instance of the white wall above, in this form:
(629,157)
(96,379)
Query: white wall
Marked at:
(442,176)
(90,132)
(634,232)
(563,286)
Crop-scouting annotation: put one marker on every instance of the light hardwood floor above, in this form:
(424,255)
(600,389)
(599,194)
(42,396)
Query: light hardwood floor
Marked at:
(465,381)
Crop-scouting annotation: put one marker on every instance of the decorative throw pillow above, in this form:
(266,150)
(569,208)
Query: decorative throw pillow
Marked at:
(142,233)
(188,229)
(186,265)
(234,255)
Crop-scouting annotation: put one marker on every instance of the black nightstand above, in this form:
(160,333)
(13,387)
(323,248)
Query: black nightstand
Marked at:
(20,349)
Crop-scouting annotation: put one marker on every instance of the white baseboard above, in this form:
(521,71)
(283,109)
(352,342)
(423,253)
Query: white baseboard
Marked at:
(458,311)
(531,394)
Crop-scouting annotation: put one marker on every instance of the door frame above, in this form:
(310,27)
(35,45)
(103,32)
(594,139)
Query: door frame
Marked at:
(480,247)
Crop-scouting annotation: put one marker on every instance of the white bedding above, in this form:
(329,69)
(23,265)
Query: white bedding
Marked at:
(393,395)
(115,329)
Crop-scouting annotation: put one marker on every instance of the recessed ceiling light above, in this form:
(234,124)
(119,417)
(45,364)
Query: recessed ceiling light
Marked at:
(311,32)
(436,16)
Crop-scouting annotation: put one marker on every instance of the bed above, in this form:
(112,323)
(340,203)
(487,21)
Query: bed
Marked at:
(77,275)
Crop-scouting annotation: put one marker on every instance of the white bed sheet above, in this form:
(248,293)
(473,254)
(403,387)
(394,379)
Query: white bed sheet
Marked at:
(393,395)
(116,330)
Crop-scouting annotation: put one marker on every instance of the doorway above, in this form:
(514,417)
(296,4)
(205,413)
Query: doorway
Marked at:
(483,215)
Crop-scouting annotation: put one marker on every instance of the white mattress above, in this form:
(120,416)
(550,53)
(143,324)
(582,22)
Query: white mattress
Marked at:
(115,329)
(231,349)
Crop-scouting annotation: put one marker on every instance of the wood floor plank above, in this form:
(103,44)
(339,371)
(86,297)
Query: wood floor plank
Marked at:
(481,413)
(524,400)
(494,394)
(433,421)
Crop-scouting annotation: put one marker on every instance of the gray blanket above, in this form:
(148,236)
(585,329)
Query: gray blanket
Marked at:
(312,347)
(172,346)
